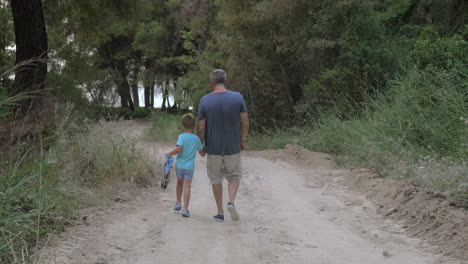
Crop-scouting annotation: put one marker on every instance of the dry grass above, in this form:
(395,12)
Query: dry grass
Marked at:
(101,156)
(40,192)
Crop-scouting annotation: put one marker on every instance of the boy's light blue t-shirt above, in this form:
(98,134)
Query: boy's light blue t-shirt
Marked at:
(190,145)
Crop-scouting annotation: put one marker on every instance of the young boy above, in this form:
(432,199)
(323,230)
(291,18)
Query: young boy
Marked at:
(186,147)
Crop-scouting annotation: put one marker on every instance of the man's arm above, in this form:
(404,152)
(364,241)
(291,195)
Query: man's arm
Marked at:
(245,129)
(201,130)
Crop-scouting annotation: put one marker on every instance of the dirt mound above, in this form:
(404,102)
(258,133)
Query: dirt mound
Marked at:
(424,214)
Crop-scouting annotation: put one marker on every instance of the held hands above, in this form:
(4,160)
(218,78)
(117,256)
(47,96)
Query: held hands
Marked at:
(202,152)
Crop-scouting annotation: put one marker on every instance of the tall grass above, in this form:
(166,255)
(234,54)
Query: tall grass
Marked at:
(32,204)
(165,127)
(41,189)
(100,156)
(416,131)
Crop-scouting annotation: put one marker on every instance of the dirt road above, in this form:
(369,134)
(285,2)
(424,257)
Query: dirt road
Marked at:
(291,212)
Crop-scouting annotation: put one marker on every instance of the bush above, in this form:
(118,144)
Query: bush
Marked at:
(39,191)
(416,131)
(99,156)
(165,127)
(97,113)
(419,124)
(140,113)
(32,204)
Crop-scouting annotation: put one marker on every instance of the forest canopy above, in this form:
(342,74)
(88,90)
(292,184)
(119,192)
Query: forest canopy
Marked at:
(291,59)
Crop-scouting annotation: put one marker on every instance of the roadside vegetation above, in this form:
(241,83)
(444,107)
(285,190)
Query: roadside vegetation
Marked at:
(416,132)
(381,84)
(165,127)
(43,187)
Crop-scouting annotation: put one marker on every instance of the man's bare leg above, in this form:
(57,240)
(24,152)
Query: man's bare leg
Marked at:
(218,194)
(233,186)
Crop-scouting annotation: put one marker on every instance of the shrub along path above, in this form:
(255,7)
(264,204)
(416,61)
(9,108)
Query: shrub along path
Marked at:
(296,206)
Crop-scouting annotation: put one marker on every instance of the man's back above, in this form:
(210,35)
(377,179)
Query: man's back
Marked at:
(222,114)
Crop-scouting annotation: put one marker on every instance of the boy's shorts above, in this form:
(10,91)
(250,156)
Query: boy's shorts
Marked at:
(219,167)
(184,174)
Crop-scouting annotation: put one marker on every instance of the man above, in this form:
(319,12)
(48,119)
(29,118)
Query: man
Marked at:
(221,115)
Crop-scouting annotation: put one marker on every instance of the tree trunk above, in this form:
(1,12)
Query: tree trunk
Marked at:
(148,82)
(166,94)
(152,94)
(121,92)
(31,53)
(284,79)
(136,98)
(163,92)
(124,91)
(175,106)
(134,84)
(123,100)
(147,95)
(167,99)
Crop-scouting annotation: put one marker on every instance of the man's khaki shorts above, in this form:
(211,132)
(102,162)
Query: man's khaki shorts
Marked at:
(219,167)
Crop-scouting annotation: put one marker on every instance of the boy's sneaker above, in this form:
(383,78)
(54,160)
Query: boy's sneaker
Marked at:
(233,211)
(185,213)
(177,207)
(219,218)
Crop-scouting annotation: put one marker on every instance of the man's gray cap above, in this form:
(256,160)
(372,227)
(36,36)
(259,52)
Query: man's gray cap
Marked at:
(218,76)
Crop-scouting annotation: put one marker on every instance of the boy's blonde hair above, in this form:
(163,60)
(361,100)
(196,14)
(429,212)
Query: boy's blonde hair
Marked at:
(188,121)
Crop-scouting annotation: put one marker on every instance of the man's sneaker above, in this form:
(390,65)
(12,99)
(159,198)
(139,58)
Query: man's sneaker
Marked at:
(177,207)
(233,211)
(185,213)
(219,218)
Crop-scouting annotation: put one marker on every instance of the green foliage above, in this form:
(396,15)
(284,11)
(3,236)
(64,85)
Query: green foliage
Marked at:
(112,45)
(32,204)
(41,191)
(195,85)
(382,84)
(294,59)
(432,50)
(416,131)
(165,127)
(4,109)
(6,56)
(97,113)
(7,38)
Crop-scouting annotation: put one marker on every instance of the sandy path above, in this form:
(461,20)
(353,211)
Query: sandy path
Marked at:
(289,214)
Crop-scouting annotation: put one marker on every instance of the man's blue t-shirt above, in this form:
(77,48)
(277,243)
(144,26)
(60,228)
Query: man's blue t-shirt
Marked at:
(222,114)
(190,144)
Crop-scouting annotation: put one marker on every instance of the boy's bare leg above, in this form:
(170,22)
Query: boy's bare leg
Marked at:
(218,194)
(187,187)
(179,188)
(233,186)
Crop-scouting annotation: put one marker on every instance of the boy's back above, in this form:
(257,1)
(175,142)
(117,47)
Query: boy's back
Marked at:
(190,144)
